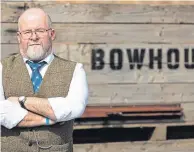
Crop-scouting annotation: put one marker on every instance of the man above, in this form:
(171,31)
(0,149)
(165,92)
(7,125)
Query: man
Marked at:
(41,94)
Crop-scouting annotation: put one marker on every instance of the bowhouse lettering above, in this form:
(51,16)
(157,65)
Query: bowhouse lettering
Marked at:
(187,65)
(153,58)
(97,59)
(116,65)
(170,52)
(135,58)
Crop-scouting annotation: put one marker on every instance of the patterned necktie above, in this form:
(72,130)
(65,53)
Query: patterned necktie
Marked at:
(36,77)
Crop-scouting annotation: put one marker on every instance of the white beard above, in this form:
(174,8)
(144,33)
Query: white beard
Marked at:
(36,52)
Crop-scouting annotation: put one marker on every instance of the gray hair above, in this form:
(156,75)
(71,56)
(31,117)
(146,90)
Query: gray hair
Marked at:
(49,21)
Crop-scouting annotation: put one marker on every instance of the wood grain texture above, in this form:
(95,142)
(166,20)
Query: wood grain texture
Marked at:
(83,52)
(160,146)
(126,76)
(188,109)
(102,13)
(114,33)
(140,93)
(153,2)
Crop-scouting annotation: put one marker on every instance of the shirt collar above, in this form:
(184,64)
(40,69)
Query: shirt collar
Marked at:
(48,59)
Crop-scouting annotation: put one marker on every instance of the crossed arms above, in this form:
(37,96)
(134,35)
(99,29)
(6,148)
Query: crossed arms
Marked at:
(38,109)
(57,109)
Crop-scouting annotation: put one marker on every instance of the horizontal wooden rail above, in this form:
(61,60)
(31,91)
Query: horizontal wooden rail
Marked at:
(148,110)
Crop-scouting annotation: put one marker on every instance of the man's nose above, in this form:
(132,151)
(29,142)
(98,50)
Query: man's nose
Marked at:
(34,36)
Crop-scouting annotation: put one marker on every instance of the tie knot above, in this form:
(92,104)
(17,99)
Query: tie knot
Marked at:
(35,65)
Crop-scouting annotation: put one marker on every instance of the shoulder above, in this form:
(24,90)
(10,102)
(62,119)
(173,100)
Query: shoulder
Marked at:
(8,61)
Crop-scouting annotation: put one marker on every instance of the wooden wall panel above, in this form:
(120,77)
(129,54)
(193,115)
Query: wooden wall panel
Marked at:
(127,77)
(141,93)
(103,13)
(83,27)
(83,52)
(113,33)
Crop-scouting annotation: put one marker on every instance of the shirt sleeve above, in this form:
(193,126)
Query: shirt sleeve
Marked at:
(73,105)
(11,113)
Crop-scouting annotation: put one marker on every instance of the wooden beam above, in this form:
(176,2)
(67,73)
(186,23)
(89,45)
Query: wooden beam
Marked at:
(102,13)
(112,33)
(132,111)
(153,2)
(134,125)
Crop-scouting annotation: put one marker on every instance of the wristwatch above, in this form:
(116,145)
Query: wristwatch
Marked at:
(22,100)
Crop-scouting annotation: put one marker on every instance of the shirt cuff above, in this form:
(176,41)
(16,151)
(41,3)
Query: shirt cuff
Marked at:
(11,114)
(60,110)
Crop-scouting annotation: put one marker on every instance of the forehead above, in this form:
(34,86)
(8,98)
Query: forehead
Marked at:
(33,22)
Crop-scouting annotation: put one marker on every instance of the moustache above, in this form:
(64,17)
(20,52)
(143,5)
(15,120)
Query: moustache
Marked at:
(33,44)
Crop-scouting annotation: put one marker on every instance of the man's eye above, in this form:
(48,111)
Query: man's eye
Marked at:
(40,30)
(26,32)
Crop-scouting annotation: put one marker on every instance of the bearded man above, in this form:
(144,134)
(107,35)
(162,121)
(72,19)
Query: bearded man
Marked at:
(40,93)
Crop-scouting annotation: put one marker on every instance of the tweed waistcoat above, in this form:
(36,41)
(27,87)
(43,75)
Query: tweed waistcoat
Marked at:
(56,82)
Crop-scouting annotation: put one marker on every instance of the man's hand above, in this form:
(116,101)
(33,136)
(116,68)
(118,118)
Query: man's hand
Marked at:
(33,120)
(38,106)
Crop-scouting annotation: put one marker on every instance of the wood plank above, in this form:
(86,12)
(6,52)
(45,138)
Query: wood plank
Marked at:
(144,75)
(133,125)
(112,33)
(138,108)
(103,13)
(83,52)
(153,2)
(132,111)
(188,109)
(186,145)
(140,94)
(134,115)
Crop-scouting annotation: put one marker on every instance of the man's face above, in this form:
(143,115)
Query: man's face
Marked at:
(35,45)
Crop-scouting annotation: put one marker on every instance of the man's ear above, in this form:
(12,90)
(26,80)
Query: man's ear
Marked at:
(53,34)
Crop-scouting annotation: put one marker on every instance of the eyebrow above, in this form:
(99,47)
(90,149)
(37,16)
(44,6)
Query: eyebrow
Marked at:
(34,29)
